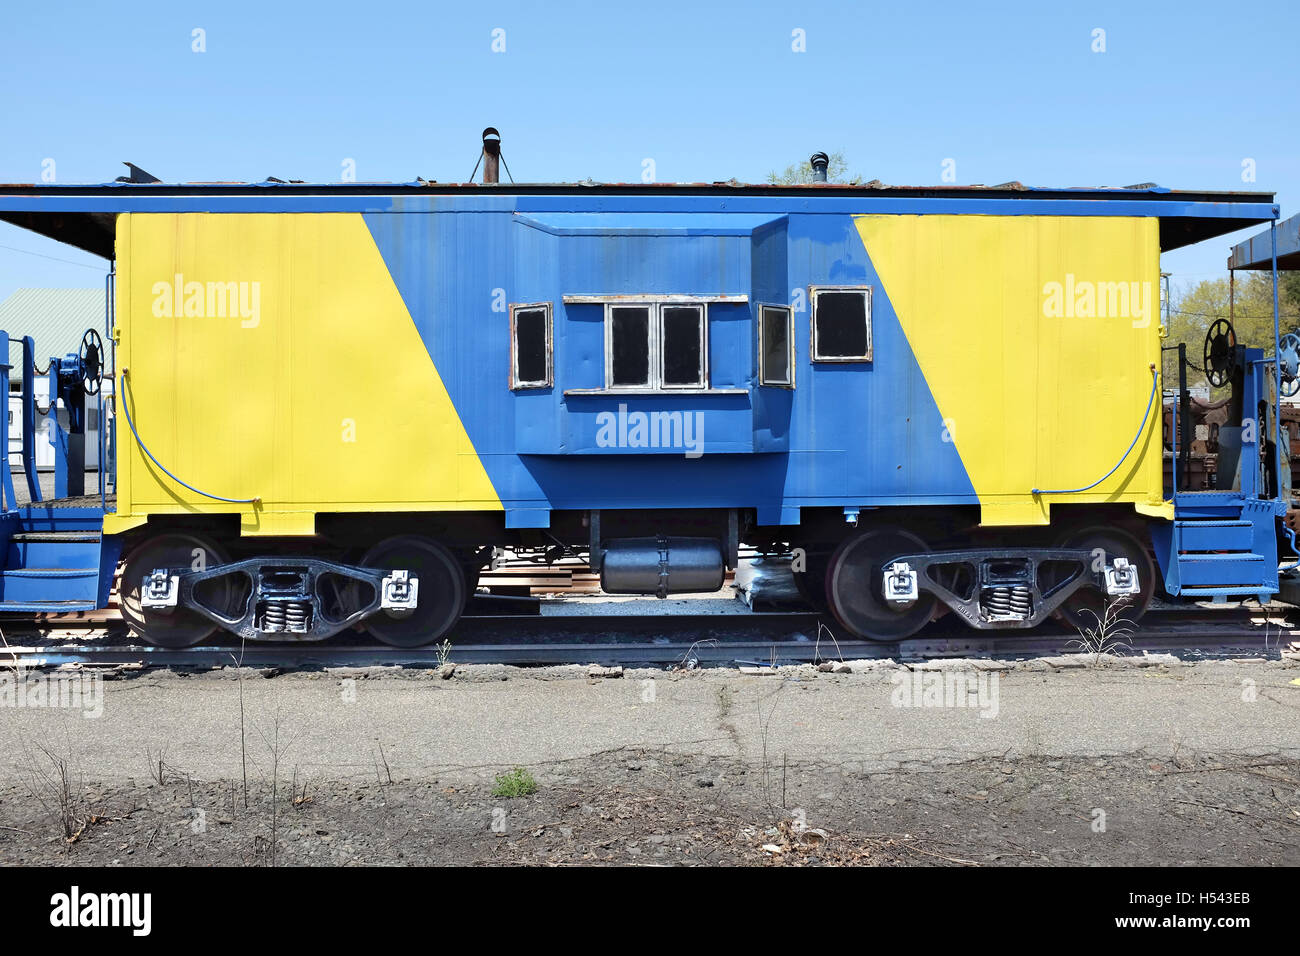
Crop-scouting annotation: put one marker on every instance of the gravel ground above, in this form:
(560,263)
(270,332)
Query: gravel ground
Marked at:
(1167,763)
(636,806)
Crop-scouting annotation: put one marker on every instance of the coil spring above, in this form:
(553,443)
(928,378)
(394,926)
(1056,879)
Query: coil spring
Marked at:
(1008,601)
(284,616)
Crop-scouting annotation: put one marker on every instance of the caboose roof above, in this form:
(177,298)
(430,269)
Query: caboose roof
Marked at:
(84,215)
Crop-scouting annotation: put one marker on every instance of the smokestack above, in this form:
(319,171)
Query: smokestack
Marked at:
(491,155)
(820,162)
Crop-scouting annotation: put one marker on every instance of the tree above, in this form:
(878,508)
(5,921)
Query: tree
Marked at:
(801,173)
(1250,310)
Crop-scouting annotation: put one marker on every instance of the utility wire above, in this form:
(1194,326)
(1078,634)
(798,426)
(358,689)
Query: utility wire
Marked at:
(1240,315)
(39,255)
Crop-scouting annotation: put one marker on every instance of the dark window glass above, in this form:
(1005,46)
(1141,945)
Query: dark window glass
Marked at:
(776,347)
(630,364)
(530,346)
(682,355)
(841,325)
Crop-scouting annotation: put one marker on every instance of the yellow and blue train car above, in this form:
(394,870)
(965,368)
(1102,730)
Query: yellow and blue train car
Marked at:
(333,401)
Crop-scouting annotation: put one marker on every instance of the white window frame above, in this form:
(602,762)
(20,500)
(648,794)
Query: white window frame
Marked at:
(814,292)
(789,341)
(515,383)
(655,333)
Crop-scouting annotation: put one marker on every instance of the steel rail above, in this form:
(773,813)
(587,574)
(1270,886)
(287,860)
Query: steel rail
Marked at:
(668,639)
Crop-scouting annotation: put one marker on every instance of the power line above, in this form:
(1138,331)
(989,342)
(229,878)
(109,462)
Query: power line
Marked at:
(1240,315)
(39,255)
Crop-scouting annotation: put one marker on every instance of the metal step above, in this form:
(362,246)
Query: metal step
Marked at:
(75,537)
(45,607)
(1213,535)
(1212,590)
(34,585)
(48,572)
(1238,568)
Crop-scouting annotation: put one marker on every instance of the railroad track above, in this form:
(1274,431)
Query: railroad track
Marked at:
(760,638)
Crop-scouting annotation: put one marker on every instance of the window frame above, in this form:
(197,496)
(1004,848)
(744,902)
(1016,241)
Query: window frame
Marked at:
(789,341)
(655,336)
(703,311)
(815,291)
(544,307)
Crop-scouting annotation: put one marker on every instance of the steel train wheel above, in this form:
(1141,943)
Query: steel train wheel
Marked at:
(811,582)
(441,596)
(854,581)
(1083,608)
(179,627)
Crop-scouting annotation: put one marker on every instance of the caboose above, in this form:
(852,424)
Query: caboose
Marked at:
(333,401)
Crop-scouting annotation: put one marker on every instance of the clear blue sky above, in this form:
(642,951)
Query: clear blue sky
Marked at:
(1183,93)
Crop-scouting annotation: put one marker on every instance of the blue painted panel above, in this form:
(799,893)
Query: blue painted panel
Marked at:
(849,434)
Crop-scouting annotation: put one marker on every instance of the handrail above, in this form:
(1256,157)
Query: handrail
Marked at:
(1155,382)
(34,493)
(127,412)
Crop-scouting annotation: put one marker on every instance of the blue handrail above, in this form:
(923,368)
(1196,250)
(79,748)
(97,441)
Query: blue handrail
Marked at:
(1155,381)
(29,420)
(127,412)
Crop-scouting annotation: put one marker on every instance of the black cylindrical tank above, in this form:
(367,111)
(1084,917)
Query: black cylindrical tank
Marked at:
(661,565)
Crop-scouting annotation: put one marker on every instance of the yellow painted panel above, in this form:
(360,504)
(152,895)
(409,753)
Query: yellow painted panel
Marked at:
(271,356)
(1036,336)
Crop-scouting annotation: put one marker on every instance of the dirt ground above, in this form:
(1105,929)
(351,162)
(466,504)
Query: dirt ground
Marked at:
(661,808)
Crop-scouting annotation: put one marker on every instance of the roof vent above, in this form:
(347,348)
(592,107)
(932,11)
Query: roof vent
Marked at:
(820,163)
(491,156)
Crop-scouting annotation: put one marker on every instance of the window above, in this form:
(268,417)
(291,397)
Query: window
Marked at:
(656,346)
(531,346)
(775,351)
(841,324)
(629,346)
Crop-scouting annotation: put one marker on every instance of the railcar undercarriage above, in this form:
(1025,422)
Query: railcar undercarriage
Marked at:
(879,581)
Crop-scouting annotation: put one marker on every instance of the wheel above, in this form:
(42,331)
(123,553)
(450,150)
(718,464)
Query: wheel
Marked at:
(91,354)
(854,585)
(441,595)
(1083,608)
(1219,353)
(811,582)
(177,627)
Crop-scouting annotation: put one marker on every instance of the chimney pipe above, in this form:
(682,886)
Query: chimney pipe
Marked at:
(491,156)
(820,162)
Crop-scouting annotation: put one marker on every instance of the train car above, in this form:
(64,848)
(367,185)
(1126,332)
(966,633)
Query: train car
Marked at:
(336,400)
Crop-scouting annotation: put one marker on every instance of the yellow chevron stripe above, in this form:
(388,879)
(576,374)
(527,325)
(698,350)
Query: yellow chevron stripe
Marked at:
(1039,390)
(272,355)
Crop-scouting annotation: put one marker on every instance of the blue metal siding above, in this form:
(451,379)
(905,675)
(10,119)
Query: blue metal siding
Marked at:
(849,434)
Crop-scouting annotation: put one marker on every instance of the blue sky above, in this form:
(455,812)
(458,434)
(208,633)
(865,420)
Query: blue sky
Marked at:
(1182,95)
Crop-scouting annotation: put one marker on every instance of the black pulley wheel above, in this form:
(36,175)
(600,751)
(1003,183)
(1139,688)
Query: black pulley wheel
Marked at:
(1220,353)
(91,356)
(855,585)
(440,597)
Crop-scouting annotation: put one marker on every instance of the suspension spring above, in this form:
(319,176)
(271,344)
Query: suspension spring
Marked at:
(1014,602)
(296,614)
(274,618)
(279,617)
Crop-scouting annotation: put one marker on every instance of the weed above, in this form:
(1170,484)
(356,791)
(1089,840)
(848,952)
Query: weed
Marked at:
(514,783)
(1109,634)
